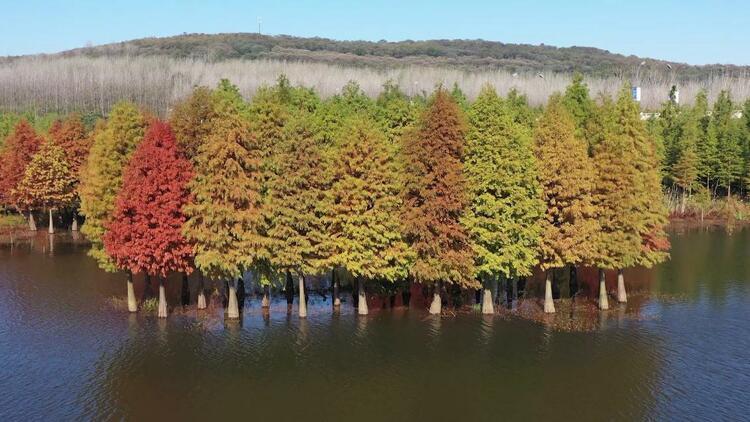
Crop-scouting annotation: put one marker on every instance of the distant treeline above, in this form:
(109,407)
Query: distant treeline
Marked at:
(461,54)
(86,84)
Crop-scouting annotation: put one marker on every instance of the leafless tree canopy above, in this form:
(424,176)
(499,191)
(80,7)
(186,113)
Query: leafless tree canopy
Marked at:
(64,84)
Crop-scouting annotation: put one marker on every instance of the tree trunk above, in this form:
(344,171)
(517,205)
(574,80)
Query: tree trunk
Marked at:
(32,222)
(603,301)
(549,304)
(266,301)
(302,300)
(573,281)
(289,289)
(241,294)
(406,294)
(336,296)
(362,308)
(436,305)
(233,311)
(132,304)
(74,226)
(622,295)
(487,306)
(162,299)
(201,292)
(51,227)
(185,293)
(148,292)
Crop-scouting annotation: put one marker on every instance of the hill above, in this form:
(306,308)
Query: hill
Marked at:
(463,54)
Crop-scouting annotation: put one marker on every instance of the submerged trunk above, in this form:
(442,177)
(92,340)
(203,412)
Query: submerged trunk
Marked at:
(241,294)
(549,303)
(362,308)
(289,289)
(185,294)
(436,305)
(32,222)
(487,306)
(148,291)
(622,295)
(51,227)
(603,301)
(573,281)
(266,301)
(233,311)
(162,299)
(201,293)
(302,300)
(336,297)
(132,304)
(406,294)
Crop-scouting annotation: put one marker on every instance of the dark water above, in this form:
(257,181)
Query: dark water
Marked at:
(66,354)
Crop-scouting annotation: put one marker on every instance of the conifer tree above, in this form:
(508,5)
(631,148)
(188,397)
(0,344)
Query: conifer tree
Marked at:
(20,147)
(685,169)
(70,134)
(101,178)
(706,146)
(145,233)
(725,131)
(504,218)
(191,120)
(224,217)
(396,113)
(297,204)
(567,179)
(616,192)
(647,214)
(579,104)
(47,182)
(435,198)
(363,232)
(650,209)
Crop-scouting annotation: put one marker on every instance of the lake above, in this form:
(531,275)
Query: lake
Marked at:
(66,353)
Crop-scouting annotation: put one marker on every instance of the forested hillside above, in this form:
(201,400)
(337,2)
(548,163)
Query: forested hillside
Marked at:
(465,54)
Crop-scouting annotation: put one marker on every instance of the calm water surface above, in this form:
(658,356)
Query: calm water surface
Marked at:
(66,354)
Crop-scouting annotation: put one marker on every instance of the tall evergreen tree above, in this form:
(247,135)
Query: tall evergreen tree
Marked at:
(20,147)
(102,175)
(435,198)
(363,233)
(685,170)
(297,204)
(191,120)
(48,182)
(504,218)
(706,148)
(70,134)
(579,104)
(725,130)
(225,216)
(616,192)
(144,235)
(567,179)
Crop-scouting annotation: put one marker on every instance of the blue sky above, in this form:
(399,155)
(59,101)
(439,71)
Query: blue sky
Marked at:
(691,31)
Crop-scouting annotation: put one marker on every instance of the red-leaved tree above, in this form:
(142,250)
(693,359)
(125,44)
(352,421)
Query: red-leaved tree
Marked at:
(145,233)
(19,148)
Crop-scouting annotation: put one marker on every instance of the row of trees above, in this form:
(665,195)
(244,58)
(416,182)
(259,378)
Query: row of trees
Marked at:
(705,150)
(438,191)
